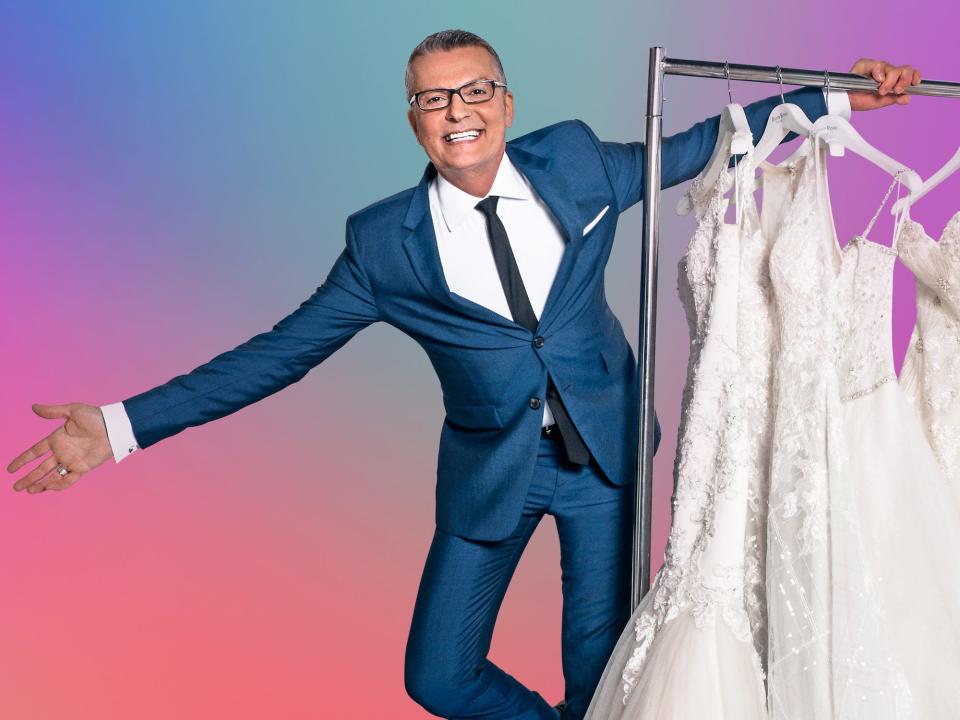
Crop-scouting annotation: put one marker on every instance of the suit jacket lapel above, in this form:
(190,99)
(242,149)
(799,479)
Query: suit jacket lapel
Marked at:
(421,244)
(421,248)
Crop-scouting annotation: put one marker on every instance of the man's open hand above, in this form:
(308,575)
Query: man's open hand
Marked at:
(79,445)
(893,80)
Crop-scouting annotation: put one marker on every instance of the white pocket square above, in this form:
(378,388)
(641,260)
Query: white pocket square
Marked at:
(593,222)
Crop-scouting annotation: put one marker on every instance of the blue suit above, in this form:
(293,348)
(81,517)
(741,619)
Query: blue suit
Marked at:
(492,373)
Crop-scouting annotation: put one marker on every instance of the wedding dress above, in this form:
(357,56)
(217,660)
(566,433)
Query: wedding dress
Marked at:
(930,376)
(695,645)
(863,580)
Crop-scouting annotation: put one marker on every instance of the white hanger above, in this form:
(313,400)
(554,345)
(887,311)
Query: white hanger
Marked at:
(953,164)
(733,128)
(784,119)
(836,129)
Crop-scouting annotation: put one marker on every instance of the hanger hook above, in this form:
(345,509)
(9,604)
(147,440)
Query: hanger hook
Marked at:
(826,75)
(726,73)
(780,80)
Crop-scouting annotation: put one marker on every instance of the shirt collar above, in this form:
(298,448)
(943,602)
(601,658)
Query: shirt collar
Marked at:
(455,204)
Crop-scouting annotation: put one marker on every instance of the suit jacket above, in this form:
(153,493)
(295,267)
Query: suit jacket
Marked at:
(492,371)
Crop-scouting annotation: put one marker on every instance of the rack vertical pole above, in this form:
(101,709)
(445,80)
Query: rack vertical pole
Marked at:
(648,330)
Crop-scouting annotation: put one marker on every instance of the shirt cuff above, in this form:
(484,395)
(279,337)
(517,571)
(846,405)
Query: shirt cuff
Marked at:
(119,430)
(838,103)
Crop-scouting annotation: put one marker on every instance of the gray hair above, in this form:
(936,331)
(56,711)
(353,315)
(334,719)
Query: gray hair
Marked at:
(449,40)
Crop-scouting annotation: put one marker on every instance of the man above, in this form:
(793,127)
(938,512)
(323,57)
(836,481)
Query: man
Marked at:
(494,264)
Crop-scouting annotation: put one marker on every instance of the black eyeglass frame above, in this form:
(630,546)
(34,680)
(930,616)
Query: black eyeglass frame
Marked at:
(415,98)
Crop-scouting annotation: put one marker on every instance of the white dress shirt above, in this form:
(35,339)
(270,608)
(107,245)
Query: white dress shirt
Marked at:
(467,258)
(464,244)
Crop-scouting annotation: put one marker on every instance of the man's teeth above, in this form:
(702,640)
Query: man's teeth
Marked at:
(465,135)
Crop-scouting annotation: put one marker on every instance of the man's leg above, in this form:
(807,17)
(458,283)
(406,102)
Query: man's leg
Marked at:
(463,584)
(595,525)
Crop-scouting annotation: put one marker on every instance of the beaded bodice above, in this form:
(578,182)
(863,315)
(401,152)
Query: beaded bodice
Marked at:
(931,368)
(936,264)
(838,301)
(864,356)
(864,311)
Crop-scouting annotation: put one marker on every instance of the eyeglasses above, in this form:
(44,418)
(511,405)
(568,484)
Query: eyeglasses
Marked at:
(478,91)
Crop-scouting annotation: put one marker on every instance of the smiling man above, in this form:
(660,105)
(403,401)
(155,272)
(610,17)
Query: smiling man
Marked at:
(494,264)
(464,138)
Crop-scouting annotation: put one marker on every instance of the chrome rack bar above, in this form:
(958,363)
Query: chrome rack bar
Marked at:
(660,66)
(795,76)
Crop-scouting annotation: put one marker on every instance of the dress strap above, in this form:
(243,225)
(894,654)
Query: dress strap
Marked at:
(896,182)
(743,173)
(737,189)
(902,219)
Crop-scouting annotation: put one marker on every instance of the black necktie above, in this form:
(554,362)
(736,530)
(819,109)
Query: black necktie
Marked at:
(522,312)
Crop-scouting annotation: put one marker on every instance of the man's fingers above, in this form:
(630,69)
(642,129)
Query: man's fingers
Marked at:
(890,78)
(41,448)
(62,483)
(906,75)
(51,411)
(897,78)
(53,481)
(865,67)
(38,487)
(28,480)
(892,83)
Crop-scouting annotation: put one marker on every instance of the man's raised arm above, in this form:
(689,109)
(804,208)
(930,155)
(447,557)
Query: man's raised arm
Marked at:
(685,154)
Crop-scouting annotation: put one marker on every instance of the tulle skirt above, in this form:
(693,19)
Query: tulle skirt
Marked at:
(689,673)
(910,517)
(907,520)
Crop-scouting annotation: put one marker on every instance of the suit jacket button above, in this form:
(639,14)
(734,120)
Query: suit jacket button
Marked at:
(538,341)
(534,403)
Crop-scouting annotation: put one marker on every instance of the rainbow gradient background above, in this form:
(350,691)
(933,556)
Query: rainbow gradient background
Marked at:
(174,179)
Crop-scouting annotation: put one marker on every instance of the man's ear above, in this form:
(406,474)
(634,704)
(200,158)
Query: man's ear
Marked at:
(413,124)
(508,108)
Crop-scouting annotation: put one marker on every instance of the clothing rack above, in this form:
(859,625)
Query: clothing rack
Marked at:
(660,66)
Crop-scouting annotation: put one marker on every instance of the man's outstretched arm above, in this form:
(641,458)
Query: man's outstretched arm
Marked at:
(264,364)
(342,306)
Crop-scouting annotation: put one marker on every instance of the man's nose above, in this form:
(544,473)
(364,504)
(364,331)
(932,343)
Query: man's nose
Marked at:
(457,109)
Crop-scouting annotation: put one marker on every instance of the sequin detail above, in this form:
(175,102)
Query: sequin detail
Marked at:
(931,369)
(866,391)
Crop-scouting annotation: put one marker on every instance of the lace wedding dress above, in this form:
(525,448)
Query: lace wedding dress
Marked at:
(930,376)
(689,650)
(863,580)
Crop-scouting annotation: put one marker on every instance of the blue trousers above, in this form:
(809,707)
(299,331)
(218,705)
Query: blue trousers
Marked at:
(464,581)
